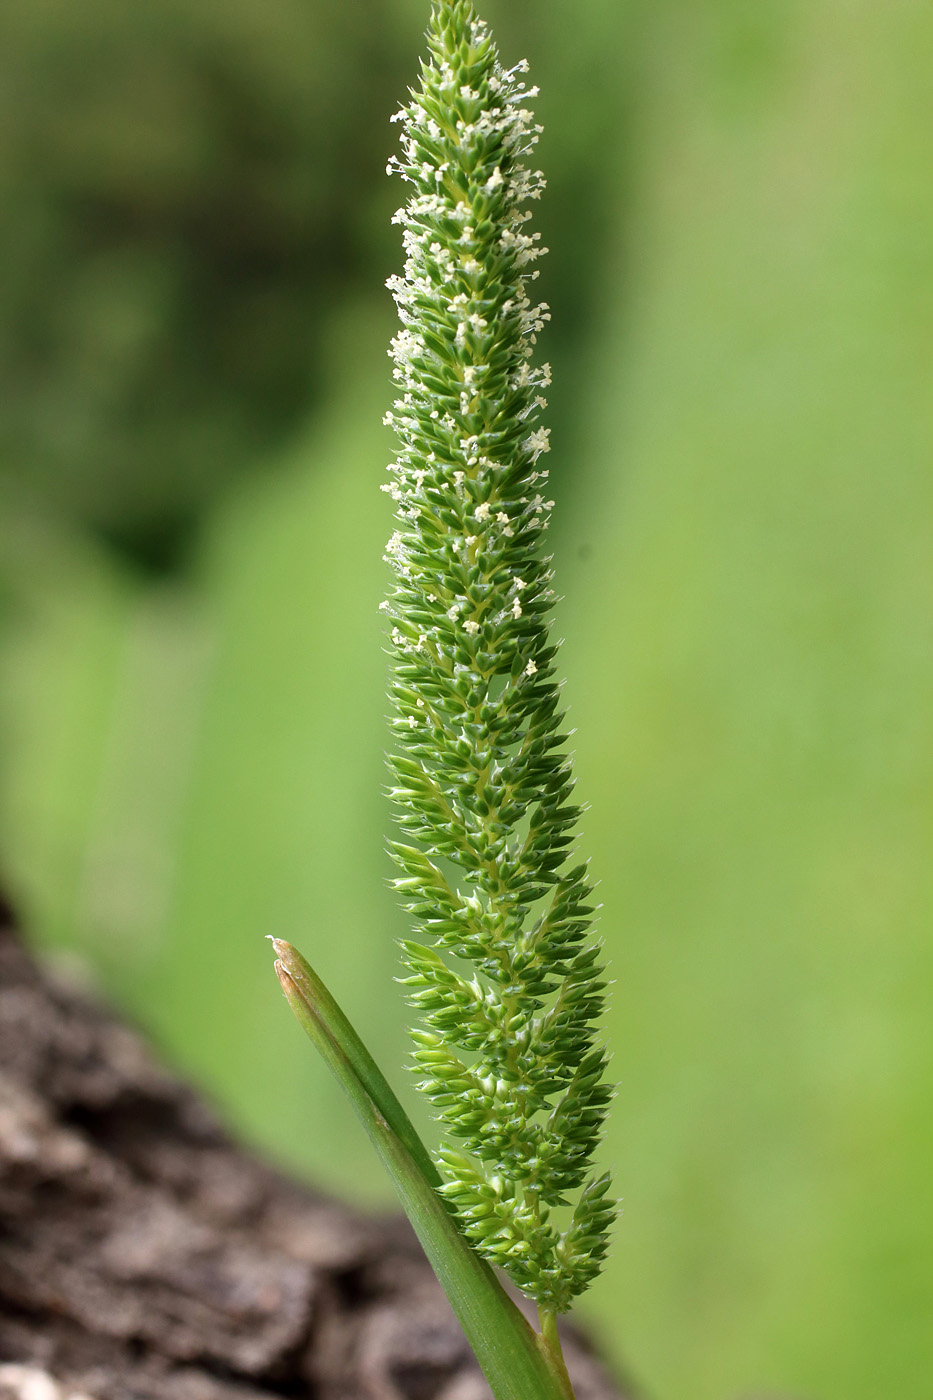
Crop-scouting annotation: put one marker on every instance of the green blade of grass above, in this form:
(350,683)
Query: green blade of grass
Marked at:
(335,1025)
(510,1353)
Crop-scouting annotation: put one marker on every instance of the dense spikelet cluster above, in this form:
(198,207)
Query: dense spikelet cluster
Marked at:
(506,1047)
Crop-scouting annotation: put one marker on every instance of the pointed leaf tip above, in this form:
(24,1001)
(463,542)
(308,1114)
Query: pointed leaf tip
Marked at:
(501,1336)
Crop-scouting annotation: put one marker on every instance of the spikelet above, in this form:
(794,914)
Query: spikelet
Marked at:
(506,1048)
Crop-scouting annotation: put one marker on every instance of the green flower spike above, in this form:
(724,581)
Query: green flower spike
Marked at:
(507,987)
(507,1050)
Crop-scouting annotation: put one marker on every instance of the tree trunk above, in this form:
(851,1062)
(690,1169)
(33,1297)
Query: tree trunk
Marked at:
(144,1256)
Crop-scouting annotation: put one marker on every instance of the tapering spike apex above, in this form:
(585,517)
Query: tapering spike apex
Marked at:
(481,784)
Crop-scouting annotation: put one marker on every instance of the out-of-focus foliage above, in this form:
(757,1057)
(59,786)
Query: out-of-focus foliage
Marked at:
(183,185)
(741,220)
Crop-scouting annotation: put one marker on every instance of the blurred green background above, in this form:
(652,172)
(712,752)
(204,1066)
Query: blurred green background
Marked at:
(194,240)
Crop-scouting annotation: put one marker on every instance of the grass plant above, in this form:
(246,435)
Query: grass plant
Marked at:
(502,970)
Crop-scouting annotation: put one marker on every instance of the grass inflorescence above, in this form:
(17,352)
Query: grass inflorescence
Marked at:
(502,970)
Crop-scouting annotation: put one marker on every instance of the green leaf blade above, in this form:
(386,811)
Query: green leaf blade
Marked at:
(515,1363)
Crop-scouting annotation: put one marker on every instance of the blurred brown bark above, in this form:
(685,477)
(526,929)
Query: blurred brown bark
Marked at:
(144,1255)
